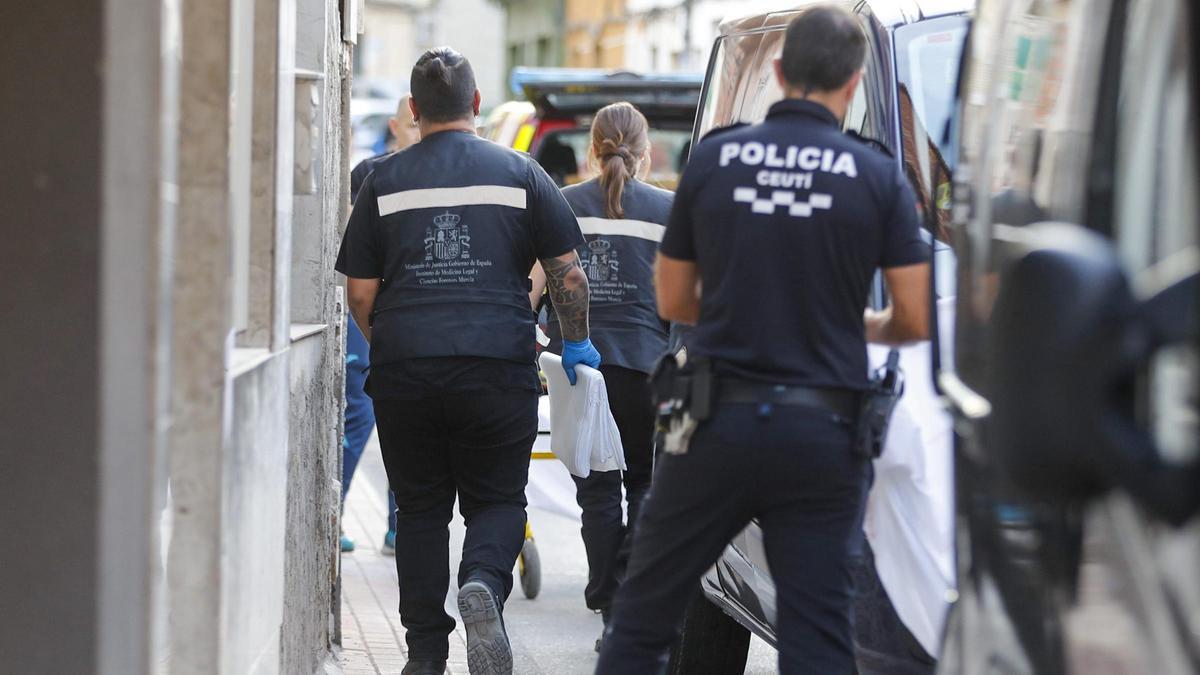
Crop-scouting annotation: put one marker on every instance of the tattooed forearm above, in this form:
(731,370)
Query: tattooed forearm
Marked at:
(568,286)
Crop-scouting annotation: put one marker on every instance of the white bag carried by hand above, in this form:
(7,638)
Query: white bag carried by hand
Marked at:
(583,433)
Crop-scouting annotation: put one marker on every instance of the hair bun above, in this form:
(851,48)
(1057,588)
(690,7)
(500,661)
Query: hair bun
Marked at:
(621,151)
(436,66)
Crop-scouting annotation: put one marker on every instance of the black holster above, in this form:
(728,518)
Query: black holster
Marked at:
(683,397)
(878,404)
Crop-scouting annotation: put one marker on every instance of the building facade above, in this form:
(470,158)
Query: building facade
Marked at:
(396,32)
(174,176)
(533,33)
(648,35)
(596,33)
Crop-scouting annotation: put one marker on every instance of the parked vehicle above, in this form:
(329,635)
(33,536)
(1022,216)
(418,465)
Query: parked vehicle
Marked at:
(557,135)
(506,121)
(1076,371)
(902,106)
(369,133)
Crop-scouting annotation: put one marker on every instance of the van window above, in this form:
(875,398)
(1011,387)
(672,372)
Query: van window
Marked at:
(1029,104)
(764,90)
(927,60)
(1157,211)
(748,96)
(856,114)
(729,77)
(1156,203)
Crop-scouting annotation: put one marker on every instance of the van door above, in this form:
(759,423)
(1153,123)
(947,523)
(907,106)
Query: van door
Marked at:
(1075,375)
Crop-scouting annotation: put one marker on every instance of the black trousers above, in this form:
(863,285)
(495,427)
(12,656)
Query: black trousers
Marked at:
(605,531)
(474,446)
(789,467)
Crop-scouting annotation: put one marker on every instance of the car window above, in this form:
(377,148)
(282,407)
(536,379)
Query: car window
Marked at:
(564,155)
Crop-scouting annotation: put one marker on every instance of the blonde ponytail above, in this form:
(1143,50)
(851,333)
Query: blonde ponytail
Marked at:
(620,138)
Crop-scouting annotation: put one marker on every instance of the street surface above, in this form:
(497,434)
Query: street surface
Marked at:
(552,635)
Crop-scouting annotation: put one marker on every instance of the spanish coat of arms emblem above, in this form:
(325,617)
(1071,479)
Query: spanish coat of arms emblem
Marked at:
(447,239)
(600,261)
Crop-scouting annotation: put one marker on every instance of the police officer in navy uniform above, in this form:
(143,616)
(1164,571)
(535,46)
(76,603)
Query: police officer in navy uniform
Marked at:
(437,253)
(622,219)
(775,235)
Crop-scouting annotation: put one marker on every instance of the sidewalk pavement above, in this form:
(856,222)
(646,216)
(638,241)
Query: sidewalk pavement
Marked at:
(552,635)
(372,637)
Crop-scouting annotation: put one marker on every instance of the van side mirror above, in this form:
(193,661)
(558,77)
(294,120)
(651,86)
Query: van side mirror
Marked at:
(1069,340)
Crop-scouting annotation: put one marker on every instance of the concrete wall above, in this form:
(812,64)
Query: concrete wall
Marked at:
(253,506)
(50,490)
(81,215)
(314,498)
(317,355)
(157,496)
(255,443)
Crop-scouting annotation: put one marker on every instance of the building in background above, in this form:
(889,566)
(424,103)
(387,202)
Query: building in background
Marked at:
(173,182)
(398,31)
(658,39)
(533,33)
(648,35)
(595,33)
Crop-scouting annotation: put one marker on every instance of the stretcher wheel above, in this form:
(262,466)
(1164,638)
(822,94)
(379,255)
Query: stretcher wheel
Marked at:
(529,565)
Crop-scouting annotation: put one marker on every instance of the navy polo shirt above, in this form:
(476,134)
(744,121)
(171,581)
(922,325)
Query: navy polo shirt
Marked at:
(358,175)
(452,226)
(618,257)
(787,221)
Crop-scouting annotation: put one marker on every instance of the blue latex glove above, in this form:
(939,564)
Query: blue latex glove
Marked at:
(578,352)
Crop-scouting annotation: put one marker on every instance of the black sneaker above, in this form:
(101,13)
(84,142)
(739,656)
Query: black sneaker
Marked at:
(424,668)
(488,650)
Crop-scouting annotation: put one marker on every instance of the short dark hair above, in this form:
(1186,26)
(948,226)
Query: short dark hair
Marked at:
(823,48)
(443,85)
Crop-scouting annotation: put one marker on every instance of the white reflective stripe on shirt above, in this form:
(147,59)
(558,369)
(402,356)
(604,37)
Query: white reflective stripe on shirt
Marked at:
(429,198)
(617,226)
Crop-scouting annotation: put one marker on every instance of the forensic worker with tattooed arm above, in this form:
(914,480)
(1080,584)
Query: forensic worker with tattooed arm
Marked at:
(775,234)
(622,219)
(437,253)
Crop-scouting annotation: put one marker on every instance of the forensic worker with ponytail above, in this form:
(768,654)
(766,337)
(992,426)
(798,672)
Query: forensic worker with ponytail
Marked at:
(622,220)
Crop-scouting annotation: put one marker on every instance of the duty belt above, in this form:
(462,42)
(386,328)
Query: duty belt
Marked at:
(841,402)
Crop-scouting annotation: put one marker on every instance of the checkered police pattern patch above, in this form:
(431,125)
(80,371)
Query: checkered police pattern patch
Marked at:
(800,209)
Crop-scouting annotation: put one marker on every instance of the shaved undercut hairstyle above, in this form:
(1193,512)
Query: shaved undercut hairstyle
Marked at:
(443,86)
(823,48)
